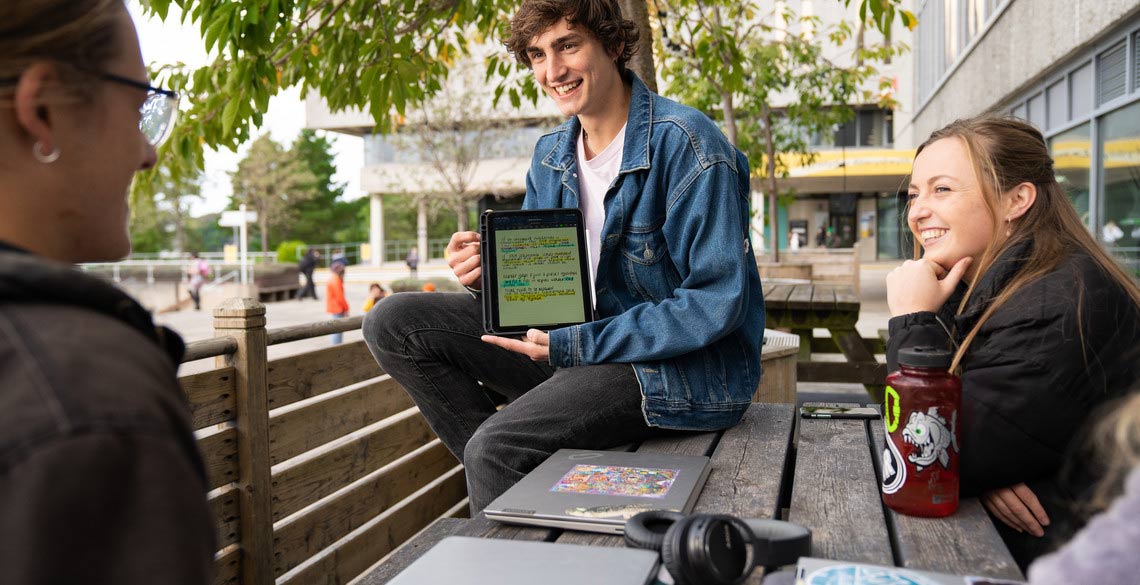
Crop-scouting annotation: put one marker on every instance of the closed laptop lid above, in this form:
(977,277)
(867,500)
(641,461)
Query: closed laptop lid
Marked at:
(460,560)
(599,490)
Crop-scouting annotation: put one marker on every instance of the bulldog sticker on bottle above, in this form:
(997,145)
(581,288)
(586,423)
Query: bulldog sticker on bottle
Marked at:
(920,461)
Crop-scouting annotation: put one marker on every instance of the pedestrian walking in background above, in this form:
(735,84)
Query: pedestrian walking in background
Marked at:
(307,264)
(413,261)
(335,302)
(198,270)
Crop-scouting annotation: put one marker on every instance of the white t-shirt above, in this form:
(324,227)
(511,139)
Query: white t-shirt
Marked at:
(594,178)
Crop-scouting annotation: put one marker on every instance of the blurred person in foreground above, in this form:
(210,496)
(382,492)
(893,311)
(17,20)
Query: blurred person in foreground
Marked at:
(1045,325)
(100,476)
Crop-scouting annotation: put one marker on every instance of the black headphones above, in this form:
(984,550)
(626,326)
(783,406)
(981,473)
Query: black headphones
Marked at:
(712,549)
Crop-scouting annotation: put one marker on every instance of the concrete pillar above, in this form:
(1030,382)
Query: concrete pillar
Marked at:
(376,227)
(422,230)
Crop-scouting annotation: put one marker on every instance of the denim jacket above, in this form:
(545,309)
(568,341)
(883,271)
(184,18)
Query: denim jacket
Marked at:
(678,293)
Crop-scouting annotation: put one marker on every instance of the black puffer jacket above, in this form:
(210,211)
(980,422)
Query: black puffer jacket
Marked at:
(1038,368)
(100,477)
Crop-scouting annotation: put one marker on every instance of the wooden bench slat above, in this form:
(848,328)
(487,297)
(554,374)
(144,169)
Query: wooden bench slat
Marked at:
(227,566)
(298,430)
(800,297)
(845,372)
(224,509)
(964,543)
(778,294)
(305,535)
(358,551)
(211,396)
(835,489)
(337,464)
(747,477)
(407,553)
(823,298)
(305,375)
(219,454)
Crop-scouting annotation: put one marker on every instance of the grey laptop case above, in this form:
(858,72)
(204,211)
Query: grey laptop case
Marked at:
(597,491)
(459,560)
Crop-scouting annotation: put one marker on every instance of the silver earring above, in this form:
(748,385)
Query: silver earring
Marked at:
(1008,227)
(47,159)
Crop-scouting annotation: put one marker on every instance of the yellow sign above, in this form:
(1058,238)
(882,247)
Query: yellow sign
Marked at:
(365,252)
(229,254)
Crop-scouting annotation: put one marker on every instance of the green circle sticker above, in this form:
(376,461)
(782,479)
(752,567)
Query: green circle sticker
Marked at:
(891,412)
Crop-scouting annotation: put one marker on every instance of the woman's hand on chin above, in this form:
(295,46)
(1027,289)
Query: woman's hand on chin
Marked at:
(922,285)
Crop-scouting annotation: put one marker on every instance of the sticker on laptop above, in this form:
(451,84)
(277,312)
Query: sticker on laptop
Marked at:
(613,480)
(864,575)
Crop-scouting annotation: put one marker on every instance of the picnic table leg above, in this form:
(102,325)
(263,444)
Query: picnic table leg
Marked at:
(857,351)
(805,344)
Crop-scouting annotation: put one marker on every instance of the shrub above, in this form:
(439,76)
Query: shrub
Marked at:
(290,251)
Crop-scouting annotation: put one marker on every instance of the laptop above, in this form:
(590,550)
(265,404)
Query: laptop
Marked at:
(597,491)
(460,560)
(812,571)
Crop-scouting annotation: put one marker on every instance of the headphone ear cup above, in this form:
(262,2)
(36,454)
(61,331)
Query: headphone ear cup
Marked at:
(647,529)
(673,554)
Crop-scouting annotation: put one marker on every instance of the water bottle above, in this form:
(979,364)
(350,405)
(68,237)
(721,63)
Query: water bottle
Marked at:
(920,412)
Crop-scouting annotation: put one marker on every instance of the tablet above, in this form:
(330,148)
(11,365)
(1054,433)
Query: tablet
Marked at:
(536,271)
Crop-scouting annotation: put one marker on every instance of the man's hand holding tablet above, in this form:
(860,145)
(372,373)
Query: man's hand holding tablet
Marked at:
(536,344)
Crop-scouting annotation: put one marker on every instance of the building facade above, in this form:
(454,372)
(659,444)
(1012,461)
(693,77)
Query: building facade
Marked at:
(1071,67)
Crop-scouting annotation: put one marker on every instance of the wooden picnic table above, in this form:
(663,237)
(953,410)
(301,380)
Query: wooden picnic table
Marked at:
(827,480)
(802,307)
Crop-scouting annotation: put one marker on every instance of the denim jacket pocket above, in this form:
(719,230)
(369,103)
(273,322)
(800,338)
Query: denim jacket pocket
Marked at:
(646,265)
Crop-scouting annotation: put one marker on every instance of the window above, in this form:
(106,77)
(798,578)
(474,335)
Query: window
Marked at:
(1080,91)
(1111,75)
(1058,104)
(1020,111)
(1072,155)
(1136,62)
(1037,111)
(1119,146)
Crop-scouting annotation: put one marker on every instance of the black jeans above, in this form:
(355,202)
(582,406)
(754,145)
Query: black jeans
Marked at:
(429,342)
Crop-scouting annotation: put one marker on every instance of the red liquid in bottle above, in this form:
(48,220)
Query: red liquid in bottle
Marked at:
(920,412)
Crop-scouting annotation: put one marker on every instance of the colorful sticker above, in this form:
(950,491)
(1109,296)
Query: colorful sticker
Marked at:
(891,409)
(931,437)
(611,480)
(864,575)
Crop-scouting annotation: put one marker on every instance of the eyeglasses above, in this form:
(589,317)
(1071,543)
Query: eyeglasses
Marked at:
(158,111)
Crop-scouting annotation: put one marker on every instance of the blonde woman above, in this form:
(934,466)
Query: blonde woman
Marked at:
(1045,325)
(100,477)
(1104,552)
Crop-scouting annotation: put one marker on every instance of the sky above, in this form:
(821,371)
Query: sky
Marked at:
(170,42)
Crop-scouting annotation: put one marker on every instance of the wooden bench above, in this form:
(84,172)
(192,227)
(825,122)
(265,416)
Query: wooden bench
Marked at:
(828,481)
(838,266)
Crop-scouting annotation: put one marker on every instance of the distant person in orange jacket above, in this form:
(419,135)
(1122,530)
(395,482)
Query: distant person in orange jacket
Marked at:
(335,303)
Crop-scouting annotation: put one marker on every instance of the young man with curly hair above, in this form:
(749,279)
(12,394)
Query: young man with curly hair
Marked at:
(676,345)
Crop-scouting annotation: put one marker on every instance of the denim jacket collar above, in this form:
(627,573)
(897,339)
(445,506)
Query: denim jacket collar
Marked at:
(639,124)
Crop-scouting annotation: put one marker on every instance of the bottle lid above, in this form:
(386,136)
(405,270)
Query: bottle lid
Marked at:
(925,356)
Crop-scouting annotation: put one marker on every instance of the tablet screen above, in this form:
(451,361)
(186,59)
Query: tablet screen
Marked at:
(538,269)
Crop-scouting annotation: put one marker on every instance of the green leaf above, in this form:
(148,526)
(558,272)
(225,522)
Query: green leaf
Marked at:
(229,115)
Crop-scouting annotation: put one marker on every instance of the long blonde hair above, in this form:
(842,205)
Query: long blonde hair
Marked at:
(1006,152)
(1116,445)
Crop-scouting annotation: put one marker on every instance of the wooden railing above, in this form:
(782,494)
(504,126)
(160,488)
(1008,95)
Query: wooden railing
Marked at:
(318,464)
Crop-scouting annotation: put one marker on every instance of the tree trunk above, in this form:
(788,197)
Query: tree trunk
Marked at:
(642,61)
(770,168)
(461,216)
(729,116)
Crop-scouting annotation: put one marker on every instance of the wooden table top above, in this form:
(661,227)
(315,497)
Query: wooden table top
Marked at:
(810,297)
(833,471)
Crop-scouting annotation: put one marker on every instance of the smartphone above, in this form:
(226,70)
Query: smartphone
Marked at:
(838,412)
